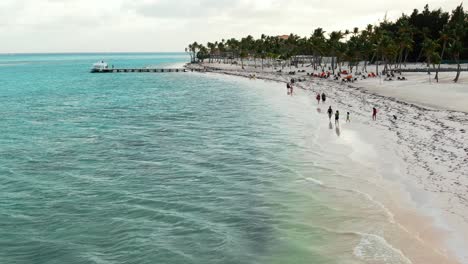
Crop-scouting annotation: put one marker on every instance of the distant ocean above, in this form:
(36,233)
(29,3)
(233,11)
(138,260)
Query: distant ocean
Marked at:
(174,168)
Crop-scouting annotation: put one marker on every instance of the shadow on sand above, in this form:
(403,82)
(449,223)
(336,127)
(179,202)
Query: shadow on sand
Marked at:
(338,130)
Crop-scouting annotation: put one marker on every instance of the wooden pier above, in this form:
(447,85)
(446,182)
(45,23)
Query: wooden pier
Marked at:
(161,70)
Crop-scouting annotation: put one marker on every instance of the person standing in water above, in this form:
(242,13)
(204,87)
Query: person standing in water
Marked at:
(337,117)
(330,113)
(288,88)
(324,98)
(318,98)
(347,117)
(291,89)
(374,113)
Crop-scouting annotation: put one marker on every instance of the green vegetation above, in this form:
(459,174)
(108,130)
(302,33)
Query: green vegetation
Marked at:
(428,36)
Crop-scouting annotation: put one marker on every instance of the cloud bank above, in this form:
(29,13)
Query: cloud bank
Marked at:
(168,25)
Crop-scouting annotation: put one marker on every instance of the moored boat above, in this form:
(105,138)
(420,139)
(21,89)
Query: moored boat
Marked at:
(99,66)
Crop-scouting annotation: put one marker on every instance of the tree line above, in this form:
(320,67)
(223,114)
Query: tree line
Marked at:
(430,36)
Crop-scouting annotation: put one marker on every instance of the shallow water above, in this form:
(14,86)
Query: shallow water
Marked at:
(175,168)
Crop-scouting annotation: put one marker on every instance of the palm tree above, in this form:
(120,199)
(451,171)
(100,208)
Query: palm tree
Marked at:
(444,38)
(458,31)
(211,47)
(318,44)
(193,49)
(429,49)
(222,51)
(390,51)
(418,37)
(187,50)
(353,52)
(377,48)
(245,48)
(365,39)
(233,47)
(243,54)
(333,46)
(355,31)
(202,53)
(405,39)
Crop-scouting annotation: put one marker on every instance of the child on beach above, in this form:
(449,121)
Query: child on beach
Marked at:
(374,113)
(347,117)
(337,117)
(324,97)
(330,113)
(288,88)
(318,98)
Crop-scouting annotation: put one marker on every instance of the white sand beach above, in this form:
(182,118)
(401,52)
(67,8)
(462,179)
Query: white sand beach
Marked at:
(421,130)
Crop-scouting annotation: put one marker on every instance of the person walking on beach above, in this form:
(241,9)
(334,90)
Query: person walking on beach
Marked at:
(337,118)
(291,90)
(318,98)
(288,88)
(347,117)
(330,113)
(324,98)
(374,113)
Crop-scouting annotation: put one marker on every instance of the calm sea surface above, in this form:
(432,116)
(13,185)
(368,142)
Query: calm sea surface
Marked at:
(171,168)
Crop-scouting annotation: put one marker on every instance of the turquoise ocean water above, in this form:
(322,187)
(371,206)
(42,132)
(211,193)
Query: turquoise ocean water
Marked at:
(170,168)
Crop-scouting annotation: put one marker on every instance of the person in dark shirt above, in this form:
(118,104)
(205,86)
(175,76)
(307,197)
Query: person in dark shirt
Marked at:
(337,117)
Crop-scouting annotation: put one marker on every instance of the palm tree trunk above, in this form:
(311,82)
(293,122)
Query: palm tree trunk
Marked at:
(406,56)
(441,58)
(386,65)
(333,63)
(419,56)
(377,67)
(400,58)
(429,66)
(458,70)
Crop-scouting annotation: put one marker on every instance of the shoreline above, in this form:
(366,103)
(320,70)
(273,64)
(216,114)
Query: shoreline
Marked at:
(423,94)
(427,177)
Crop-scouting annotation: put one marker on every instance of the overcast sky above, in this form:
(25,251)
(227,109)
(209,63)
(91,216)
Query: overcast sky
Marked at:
(168,25)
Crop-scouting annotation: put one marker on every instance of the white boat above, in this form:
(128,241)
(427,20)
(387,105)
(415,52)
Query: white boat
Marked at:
(99,66)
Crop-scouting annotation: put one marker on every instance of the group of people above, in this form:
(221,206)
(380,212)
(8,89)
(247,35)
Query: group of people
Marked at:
(337,116)
(348,119)
(322,97)
(337,113)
